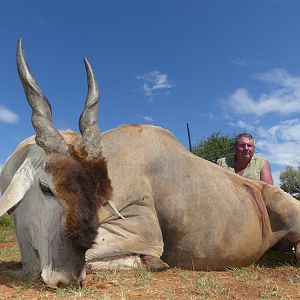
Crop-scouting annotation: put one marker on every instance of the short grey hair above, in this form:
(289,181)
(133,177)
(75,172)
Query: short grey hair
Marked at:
(244,134)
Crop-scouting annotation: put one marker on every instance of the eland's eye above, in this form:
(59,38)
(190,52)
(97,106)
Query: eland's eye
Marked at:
(45,188)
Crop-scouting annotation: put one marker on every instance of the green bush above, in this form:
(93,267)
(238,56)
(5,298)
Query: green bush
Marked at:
(290,181)
(215,146)
(6,228)
(6,221)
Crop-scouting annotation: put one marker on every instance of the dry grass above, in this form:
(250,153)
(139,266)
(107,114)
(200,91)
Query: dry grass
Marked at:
(275,276)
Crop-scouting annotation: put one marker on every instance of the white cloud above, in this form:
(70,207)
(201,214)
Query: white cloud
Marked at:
(288,130)
(283,98)
(153,83)
(148,118)
(246,125)
(281,142)
(286,153)
(8,116)
(245,62)
(210,115)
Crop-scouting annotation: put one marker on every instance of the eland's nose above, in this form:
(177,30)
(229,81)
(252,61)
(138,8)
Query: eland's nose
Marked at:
(62,279)
(64,284)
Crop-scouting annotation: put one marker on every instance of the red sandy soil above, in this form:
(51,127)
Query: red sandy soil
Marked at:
(266,280)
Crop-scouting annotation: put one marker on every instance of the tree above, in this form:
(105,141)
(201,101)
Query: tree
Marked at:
(290,181)
(215,146)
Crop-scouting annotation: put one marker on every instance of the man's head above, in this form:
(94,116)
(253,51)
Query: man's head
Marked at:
(244,146)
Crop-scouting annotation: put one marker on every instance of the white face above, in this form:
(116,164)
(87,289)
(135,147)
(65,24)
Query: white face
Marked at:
(44,246)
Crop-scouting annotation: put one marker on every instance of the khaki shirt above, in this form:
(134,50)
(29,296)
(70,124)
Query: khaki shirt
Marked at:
(252,170)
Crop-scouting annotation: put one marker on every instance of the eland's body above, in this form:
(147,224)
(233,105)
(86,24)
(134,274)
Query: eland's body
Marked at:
(172,207)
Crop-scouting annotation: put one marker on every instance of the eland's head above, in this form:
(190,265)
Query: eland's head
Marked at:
(55,186)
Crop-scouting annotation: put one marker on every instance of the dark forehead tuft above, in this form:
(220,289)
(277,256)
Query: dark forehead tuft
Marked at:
(81,186)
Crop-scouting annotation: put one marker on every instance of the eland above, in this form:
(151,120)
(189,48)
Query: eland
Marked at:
(130,195)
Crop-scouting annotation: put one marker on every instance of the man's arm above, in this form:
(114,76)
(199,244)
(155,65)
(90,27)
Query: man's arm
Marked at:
(265,174)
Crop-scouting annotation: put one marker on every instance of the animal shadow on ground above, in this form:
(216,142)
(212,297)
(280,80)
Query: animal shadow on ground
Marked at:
(10,272)
(277,258)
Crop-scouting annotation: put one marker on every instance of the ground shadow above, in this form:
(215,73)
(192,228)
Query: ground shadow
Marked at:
(10,275)
(276,258)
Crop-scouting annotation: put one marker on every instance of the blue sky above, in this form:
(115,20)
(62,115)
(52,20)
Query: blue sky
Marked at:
(222,66)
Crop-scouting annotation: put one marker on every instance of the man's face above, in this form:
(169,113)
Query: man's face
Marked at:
(244,147)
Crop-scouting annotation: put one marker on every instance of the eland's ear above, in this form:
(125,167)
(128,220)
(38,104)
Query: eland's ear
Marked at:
(19,185)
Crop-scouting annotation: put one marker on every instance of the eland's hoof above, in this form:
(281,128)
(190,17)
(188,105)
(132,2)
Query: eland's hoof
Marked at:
(153,263)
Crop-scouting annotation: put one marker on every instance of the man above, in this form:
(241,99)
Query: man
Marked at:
(248,165)
(244,162)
